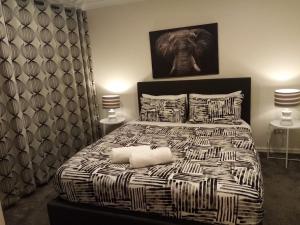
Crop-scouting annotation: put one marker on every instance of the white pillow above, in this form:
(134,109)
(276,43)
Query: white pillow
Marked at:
(171,97)
(233,94)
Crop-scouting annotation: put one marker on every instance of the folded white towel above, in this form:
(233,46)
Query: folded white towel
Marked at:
(121,155)
(160,155)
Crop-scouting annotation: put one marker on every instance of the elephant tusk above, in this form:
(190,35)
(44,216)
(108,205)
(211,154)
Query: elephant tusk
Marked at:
(195,66)
(173,65)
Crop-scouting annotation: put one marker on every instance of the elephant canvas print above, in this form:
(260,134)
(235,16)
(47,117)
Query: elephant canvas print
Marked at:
(185,51)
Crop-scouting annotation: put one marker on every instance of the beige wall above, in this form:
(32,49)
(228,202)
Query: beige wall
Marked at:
(257,38)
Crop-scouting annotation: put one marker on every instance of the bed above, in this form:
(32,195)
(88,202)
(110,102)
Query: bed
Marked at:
(215,179)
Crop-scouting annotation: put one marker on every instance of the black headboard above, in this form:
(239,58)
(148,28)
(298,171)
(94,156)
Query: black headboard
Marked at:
(204,86)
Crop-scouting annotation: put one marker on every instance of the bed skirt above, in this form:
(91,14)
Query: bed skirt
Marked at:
(62,212)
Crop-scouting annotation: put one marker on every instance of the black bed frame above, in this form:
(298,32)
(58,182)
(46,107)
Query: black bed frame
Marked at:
(62,212)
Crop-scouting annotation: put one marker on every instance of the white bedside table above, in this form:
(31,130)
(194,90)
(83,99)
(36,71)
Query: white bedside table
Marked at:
(275,124)
(110,125)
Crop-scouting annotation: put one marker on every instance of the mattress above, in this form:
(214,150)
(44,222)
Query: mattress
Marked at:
(215,177)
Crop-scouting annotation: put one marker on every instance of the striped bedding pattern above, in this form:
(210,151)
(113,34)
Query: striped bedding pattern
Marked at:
(215,178)
(224,109)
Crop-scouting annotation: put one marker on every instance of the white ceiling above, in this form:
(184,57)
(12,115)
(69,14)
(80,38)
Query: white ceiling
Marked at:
(91,4)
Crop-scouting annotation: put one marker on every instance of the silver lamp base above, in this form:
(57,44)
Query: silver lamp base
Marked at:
(112,115)
(286,118)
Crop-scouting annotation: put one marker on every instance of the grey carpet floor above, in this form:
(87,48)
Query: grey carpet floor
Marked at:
(281,187)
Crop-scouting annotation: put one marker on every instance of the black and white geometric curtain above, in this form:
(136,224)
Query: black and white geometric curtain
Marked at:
(48,108)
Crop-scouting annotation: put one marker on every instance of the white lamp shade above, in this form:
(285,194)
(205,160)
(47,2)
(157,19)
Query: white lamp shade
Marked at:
(111,101)
(287,97)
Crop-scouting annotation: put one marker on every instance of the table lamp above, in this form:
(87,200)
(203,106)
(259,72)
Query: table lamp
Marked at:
(111,102)
(286,98)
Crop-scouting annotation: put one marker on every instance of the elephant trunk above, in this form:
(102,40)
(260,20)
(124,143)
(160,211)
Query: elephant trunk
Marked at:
(184,62)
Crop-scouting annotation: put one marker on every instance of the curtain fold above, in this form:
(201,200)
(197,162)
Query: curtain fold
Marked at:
(48,107)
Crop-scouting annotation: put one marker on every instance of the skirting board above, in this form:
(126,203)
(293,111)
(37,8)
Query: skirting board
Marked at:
(278,150)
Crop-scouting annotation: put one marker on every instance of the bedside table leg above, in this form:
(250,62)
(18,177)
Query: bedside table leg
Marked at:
(287,148)
(103,130)
(270,130)
(268,153)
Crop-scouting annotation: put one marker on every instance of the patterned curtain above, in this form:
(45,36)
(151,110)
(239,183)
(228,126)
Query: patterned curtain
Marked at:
(48,107)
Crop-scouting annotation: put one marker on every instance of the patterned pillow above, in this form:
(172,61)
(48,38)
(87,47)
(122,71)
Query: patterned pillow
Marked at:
(163,109)
(218,109)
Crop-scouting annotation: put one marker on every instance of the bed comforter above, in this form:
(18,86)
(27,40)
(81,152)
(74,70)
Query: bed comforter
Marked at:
(216,177)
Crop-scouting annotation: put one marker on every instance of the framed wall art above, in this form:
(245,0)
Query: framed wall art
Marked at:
(185,51)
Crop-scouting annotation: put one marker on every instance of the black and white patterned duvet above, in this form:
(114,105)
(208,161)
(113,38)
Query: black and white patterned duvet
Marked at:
(216,177)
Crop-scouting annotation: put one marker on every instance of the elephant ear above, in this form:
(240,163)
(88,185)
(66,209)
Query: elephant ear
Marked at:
(163,45)
(203,41)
